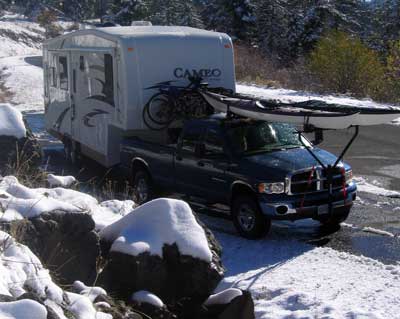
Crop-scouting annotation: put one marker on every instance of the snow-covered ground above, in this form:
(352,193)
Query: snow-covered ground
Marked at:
(289,279)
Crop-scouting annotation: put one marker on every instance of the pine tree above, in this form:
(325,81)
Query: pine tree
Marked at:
(235,17)
(273,27)
(126,11)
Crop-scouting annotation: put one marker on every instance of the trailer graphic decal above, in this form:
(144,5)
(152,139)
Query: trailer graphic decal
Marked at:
(60,119)
(105,96)
(90,115)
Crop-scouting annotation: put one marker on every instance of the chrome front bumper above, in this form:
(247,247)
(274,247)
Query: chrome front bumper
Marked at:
(287,211)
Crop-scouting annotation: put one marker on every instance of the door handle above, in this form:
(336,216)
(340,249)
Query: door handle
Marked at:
(178,157)
(200,163)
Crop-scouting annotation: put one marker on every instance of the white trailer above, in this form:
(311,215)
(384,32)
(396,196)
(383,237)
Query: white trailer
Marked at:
(97,81)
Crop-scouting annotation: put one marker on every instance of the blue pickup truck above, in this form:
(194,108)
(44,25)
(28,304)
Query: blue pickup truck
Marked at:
(262,170)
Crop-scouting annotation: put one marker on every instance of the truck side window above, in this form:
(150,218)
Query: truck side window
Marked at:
(108,79)
(214,145)
(191,137)
(63,71)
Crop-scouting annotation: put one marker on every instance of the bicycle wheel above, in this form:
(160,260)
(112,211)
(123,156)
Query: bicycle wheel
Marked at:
(149,123)
(160,109)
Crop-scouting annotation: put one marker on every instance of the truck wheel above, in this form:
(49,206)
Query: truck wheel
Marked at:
(71,152)
(248,219)
(142,186)
(334,222)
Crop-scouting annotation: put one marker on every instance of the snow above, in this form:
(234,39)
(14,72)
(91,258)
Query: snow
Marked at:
(91,292)
(147,297)
(18,201)
(290,279)
(22,309)
(11,121)
(24,80)
(287,96)
(364,186)
(64,181)
(22,271)
(150,226)
(224,297)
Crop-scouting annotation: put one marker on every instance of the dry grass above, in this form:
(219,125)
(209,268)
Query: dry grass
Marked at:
(254,67)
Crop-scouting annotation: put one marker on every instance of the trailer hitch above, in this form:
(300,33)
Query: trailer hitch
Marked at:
(330,169)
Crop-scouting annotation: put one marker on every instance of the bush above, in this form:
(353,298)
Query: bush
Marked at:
(47,19)
(252,66)
(343,64)
(393,72)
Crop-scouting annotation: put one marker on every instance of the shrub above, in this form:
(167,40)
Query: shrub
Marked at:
(393,72)
(253,66)
(343,64)
(47,19)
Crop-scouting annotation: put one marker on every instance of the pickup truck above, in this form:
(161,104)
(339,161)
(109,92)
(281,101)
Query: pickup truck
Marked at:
(261,170)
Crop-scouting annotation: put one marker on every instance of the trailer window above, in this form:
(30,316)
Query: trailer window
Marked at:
(109,79)
(82,63)
(63,71)
(74,80)
(53,77)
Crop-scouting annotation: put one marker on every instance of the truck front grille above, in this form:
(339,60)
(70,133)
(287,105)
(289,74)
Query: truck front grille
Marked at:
(313,180)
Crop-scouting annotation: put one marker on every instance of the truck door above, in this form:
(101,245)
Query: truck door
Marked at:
(187,172)
(212,166)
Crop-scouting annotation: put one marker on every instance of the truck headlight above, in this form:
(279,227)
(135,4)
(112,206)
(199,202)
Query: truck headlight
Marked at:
(348,175)
(271,188)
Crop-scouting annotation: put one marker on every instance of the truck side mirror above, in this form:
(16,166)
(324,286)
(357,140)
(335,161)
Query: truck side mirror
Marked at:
(200,150)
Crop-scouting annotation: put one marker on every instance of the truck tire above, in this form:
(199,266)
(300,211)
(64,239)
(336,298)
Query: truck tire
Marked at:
(71,151)
(142,186)
(248,219)
(334,222)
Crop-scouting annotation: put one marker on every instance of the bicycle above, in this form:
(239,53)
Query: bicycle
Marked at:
(174,103)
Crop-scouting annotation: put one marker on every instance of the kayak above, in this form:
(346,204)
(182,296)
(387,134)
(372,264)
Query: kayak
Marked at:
(316,113)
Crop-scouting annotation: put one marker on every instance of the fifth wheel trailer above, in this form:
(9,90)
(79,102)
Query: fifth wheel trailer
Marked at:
(97,81)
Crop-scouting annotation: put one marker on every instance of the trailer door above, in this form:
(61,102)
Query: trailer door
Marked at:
(93,99)
(59,107)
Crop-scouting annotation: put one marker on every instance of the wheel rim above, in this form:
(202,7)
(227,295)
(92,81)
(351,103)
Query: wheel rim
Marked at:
(142,190)
(246,217)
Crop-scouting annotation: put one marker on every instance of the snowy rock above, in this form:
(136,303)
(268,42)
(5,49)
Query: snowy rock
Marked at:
(160,247)
(91,292)
(223,297)
(11,122)
(23,309)
(65,241)
(152,225)
(63,181)
(20,202)
(31,291)
(16,141)
(230,304)
(147,297)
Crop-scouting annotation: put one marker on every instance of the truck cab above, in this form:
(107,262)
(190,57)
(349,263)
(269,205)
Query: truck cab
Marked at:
(262,170)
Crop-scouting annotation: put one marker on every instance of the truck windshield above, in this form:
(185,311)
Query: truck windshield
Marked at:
(248,138)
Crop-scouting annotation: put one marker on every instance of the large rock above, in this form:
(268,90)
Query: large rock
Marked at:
(240,307)
(173,277)
(19,152)
(65,242)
